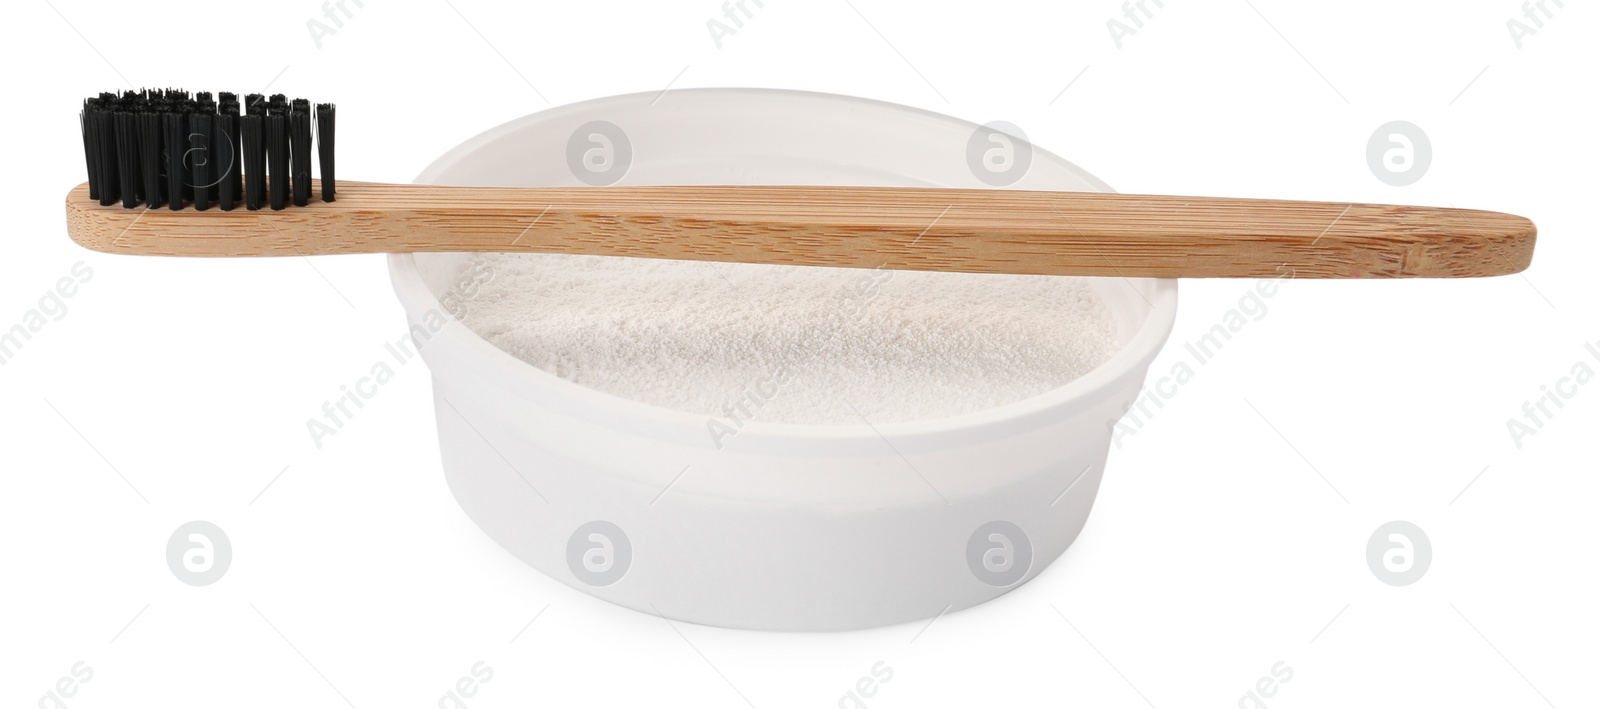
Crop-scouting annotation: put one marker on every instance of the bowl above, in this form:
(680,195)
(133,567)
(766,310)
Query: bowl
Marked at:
(783,526)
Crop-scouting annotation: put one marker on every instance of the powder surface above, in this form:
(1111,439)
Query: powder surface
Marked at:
(792,344)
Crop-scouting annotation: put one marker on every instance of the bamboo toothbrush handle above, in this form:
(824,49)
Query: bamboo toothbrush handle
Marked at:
(975,231)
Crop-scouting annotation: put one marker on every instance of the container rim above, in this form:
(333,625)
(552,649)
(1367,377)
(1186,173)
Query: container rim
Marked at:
(496,364)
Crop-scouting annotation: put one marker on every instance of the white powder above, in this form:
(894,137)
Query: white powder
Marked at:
(743,342)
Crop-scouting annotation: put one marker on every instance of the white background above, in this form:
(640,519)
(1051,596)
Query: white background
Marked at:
(174,390)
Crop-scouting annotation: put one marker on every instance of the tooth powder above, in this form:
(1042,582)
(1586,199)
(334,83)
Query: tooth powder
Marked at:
(739,343)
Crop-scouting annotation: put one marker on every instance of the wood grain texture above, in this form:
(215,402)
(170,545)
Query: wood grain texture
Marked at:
(974,231)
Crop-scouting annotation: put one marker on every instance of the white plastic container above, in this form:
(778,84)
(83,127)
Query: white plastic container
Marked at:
(787,527)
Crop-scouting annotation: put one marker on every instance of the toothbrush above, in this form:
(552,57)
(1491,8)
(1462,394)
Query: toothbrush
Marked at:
(140,199)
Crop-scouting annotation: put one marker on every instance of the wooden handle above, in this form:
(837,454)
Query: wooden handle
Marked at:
(974,231)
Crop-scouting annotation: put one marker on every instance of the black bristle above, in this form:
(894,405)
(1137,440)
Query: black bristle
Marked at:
(150,157)
(155,146)
(176,143)
(91,148)
(256,108)
(106,134)
(255,168)
(200,155)
(141,108)
(227,141)
(205,106)
(277,157)
(128,172)
(300,151)
(325,148)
